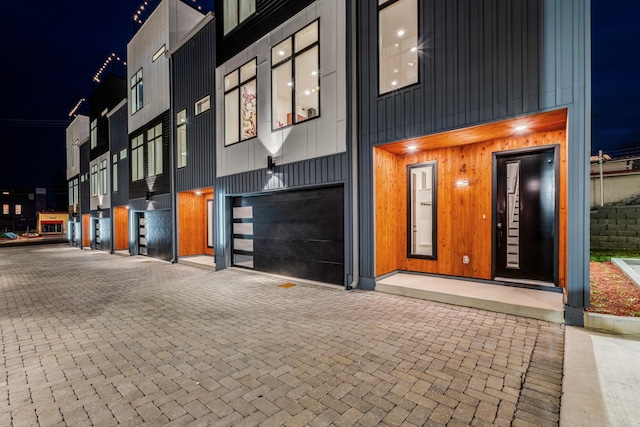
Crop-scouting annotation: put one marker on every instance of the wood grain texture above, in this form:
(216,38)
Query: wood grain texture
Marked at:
(464,213)
(121,228)
(86,230)
(192,223)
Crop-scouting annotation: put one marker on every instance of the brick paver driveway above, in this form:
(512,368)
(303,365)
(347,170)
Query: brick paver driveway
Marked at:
(90,338)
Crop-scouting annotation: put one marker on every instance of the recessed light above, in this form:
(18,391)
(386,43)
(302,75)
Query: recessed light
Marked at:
(521,127)
(400,33)
(414,49)
(412,148)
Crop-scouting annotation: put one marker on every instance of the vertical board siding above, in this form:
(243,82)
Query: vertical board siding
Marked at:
(193,79)
(85,187)
(118,126)
(464,213)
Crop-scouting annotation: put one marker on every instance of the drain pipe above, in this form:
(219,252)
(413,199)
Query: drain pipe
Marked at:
(172,166)
(353,101)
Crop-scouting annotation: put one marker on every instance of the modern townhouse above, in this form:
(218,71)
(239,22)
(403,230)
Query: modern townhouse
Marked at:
(474,140)
(149,126)
(283,138)
(77,133)
(118,118)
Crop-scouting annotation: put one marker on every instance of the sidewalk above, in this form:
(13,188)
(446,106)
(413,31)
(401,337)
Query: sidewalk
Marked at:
(601,384)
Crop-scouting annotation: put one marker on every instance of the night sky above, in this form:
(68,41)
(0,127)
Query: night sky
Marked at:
(52,50)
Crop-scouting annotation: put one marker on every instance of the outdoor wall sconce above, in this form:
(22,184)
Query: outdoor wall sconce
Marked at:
(149,195)
(270,164)
(99,208)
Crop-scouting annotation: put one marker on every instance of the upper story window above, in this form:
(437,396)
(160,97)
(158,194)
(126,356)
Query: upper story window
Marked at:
(295,78)
(236,11)
(240,104)
(137,159)
(94,133)
(5,209)
(202,105)
(103,177)
(18,209)
(94,180)
(158,53)
(73,152)
(136,91)
(154,150)
(114,173)
(181,138)
(398,48)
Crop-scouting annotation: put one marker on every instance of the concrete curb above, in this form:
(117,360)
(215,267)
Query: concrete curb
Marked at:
(625,264)
(620,325)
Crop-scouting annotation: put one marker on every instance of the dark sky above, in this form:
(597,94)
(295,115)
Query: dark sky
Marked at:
(52,49)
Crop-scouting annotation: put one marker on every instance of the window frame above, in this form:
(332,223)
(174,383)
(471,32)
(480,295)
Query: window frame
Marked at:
(181,138)
(382,5)
(94,180)
(93,133)
(154,151)
(102,174)
(199,105)
(137,158)
(238,22)
(434,210)
(292,59)
(6,209)
(237,87)
(18,209)
(137,91)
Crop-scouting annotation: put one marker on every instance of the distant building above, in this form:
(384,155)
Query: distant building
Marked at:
(19,208)
(52,223)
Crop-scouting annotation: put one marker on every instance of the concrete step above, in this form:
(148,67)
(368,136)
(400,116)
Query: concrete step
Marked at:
(526,302)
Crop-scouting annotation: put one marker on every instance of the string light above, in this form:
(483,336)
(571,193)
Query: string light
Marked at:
(110,58)
(74,109)
(137,17)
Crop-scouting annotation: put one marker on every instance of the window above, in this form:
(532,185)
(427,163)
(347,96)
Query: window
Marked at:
(114,173)
(5,209)
(123,153)
(295,80)
(240,104)
(154,150)
(158,53)
(137,159)
(94,180)
(181,120)
(398,44)
(103,176)
(236,11)
(70,193)
(136,91)
(94,133)
(75,191)
(18,209)
(73,152)
(422,210)
(202,105)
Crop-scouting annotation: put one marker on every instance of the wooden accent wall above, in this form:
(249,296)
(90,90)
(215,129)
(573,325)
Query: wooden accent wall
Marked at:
(86,230)
(121,228)
(464,213)
(192,223)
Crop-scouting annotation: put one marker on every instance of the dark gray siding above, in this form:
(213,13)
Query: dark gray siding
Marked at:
(193,79)
(107,95)
(309,173)
(161,182)
(119,141)
(85,188)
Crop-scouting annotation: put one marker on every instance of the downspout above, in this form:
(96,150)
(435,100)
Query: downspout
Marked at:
(352,99)
(172,181)
(112,208)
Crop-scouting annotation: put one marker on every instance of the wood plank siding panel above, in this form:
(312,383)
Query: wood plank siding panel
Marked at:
(119,138)
(86,230)
(192,223)
(464,213)
(193,79)
(121,228)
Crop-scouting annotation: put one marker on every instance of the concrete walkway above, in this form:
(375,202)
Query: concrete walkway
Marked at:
(90,338)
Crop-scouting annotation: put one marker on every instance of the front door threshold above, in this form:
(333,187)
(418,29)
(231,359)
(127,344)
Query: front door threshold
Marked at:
(517,301)
(525,282)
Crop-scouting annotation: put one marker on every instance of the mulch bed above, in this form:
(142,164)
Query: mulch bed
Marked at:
(612,292)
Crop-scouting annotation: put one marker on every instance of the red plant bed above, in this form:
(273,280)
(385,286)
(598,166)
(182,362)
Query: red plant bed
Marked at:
(612,292)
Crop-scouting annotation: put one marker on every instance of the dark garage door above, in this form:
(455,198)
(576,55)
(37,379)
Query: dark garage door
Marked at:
(293,233)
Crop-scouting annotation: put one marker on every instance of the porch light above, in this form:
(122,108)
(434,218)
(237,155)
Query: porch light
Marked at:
(270,164)
(520,128)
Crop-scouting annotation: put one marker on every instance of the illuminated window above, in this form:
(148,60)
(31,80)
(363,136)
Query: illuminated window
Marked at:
(295,78)
(202,105)
(421,202)
(94,133)
(241,104)
(137,158)
(103,177)
(236,11)
(18,209)
(5,209)
(154,150)
(94,180)
(136,91)
(158,53)
(398,44)
(181,120)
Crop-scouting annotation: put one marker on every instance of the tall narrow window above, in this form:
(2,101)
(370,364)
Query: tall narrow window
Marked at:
(137,159)
(240,104)
(136,91)
(181,136)
(422,210)
(295,78)
(236,11)
(94,133)
(18,209)
(398,44)
(75,191)
(114,173)
(94,180)
(5,209)
(154,150)
(71,193)
(103,177)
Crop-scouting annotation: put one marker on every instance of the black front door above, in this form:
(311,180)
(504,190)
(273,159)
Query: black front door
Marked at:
(525,219)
